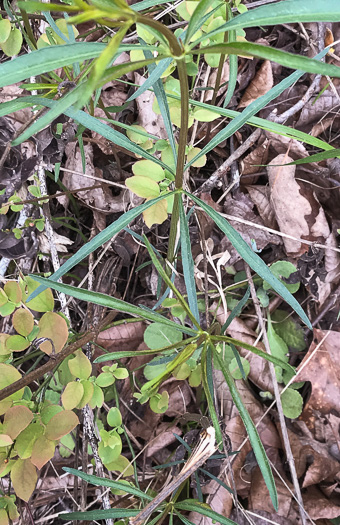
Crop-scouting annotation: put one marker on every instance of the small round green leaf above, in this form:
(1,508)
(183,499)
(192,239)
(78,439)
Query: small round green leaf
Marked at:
(158,335)
(13,43)
(292,403)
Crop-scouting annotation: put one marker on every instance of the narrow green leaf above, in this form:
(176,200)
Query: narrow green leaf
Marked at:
(152,78)
(47,59)
(188,262)
(134,353)
(60,107)
(318,157)
(289,60)
(192,505)
(162,101)
(236,311)
(106,482)
(285,12)
(90,515)
(254,438)
(110,302)
(251,110)
(145,4)
(30,6)
(169,283)
(100,65)
(97,241)
(254,350)
(87,121)
(208,387)
(251,258)
(233,63)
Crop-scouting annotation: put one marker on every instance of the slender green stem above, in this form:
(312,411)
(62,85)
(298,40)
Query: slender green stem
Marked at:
(178,53)
(183,138)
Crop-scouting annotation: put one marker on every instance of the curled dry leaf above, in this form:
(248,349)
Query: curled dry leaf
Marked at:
(260,195)
(219,499)
(323,371)
(297,210)
(332,268)
(165,436)
(251,163)
(315,110)
(318,506)
(60,242)
(260,85)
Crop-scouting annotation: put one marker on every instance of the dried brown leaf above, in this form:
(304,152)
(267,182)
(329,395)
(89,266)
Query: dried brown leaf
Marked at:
(260,85)
(260,195)
(296,208)
(123,337)
(323,371)
(251,162)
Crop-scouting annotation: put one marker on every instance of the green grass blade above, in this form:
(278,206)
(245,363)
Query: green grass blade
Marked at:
(192,505)
(152,78)
(59,107)
(278,129)
(106,482)
(134,353)
(254,438)
(90,515)
(98,241)
(47,59)
(110,302)
(250,111)
(233,68)
(254,350)
(251,258)
(236,310)
(87,121)
(188,262)
(318,157)
(169,283)
(145,4)
(208,387)
(309,65)
(285,12)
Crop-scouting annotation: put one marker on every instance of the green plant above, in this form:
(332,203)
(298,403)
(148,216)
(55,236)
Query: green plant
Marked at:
(213,38)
